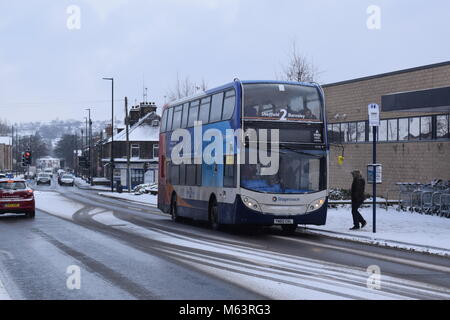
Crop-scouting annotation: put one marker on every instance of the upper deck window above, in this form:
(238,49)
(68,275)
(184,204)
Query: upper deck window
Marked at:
(281,102)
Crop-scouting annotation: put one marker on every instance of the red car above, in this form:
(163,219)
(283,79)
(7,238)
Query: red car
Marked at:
(16,197)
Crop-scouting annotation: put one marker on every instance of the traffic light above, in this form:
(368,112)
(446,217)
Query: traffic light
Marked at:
(27,156)
(24,160)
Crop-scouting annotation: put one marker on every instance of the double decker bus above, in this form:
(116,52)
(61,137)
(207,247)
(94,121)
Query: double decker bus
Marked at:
(289,115)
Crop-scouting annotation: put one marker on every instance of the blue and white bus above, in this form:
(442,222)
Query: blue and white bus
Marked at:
(234,191)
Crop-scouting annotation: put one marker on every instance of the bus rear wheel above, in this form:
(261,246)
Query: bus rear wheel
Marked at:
(174,209)
(214,215)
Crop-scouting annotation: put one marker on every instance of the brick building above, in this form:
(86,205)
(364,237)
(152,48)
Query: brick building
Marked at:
(144,148)
(5,154)
(414,139)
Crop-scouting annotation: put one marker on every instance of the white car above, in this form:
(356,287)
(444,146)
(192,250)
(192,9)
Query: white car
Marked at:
(67,179)
(44,178)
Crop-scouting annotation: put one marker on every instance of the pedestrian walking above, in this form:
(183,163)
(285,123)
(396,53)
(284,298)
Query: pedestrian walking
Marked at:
(358,198)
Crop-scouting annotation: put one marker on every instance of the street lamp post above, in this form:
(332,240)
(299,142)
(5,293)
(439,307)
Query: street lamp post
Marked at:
(112,132)
(90,147)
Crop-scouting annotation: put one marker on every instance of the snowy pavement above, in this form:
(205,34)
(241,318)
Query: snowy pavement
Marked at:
(289,269)
(3,294)
(147,199)
(80,183)
(399,229)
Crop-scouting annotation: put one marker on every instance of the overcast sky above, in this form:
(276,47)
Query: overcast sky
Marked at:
(49,71)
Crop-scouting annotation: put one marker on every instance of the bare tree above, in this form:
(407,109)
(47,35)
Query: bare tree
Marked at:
(185,88)
(298,67)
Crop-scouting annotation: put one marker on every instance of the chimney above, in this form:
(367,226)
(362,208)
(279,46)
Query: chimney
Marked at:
(146,108)
(134,115)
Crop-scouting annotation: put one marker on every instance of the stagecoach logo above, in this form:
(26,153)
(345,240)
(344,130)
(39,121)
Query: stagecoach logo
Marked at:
(276,199)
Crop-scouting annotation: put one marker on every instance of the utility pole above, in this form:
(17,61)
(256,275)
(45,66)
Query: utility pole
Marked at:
(112,132)
(90,147)
(82,148)
(127,125)
(12,149)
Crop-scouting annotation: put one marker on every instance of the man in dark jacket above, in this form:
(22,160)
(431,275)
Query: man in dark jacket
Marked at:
(358,198)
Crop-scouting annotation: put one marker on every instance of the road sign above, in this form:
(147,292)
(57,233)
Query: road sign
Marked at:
(374,115)
(379,173)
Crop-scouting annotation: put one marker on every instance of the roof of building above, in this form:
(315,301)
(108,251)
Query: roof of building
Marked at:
(141,131)
(381,75)
(6,140)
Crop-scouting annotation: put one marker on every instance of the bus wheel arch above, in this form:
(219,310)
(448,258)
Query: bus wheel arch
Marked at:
(213,213)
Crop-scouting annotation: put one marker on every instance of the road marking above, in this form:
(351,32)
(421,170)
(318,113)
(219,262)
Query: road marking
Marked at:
(372,255)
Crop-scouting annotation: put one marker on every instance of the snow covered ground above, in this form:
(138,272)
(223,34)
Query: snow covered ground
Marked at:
(400,229)
(3,294)
(55,204)
(83,184)
(141,199)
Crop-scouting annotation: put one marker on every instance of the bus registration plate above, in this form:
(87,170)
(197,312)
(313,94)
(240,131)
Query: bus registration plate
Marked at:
(283,221)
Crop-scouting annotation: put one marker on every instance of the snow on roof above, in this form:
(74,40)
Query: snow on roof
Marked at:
(6,140)
(141,131)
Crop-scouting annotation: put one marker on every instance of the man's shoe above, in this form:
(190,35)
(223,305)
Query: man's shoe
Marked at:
(354,228)
(363,224)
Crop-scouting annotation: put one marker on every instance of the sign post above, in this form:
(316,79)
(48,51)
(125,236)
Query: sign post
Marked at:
(374,122)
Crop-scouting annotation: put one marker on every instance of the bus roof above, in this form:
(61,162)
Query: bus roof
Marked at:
(200,94)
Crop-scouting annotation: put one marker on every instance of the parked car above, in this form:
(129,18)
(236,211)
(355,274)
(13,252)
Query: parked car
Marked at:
(16,197)
(49,171)
(151,188)
(44,178)
(67,179)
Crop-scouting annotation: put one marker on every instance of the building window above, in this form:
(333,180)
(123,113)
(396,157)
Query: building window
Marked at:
(344,132)
(135,151)
(361,132)
(352,132)
(336,133)
(442,127)
(392,130)
(414,128)
(403,129)
(155,150)
(425,128)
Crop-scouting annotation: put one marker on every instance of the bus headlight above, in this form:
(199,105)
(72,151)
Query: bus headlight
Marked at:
(251,203)
(316,204)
